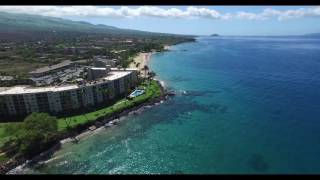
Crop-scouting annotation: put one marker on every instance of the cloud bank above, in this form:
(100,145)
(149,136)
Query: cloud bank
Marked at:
(160,12)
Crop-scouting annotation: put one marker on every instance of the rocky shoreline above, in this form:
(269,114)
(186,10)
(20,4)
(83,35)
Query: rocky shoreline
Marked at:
(81,130)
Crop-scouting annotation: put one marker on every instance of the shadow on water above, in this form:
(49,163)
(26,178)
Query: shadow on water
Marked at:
(201,93)
(179,172)
(179,79)
(258,163)
(184,107)
(277,112)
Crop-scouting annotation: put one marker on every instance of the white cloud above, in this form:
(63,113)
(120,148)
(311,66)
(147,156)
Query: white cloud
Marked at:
(249,16)
(160,12)
(203,12)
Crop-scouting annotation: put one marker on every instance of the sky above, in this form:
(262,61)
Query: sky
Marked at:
(193,20)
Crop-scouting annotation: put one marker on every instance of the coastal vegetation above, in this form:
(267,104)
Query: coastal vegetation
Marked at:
(153,90)
(39,131)
(32,135)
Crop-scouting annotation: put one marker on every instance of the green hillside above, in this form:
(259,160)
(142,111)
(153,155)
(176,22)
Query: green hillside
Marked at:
(22,24)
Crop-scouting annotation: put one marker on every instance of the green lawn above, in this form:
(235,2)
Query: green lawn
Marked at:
(152,90)
(3,158)
(4,136)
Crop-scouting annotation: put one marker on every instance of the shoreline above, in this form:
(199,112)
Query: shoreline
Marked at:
(167,47)
(141,60)
(46,156)
(103,123)
(83,132)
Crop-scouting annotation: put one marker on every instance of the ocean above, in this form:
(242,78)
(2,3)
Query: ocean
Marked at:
(244,105)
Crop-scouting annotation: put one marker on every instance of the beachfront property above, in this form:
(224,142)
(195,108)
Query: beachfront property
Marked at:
(50,69)
(101,61)
(97,72)
(23,100)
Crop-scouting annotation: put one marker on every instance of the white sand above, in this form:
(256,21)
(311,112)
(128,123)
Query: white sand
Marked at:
(166,47)
(142,59)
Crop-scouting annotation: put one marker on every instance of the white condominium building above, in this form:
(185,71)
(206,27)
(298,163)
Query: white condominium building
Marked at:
(23,100)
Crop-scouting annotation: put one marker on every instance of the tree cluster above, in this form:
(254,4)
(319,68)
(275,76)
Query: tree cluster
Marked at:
(34,135)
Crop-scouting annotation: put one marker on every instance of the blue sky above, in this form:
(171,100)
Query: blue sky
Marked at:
(196,20)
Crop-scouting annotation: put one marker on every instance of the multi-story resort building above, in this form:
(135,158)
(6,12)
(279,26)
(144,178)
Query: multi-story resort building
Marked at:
(22,100)
(50,69)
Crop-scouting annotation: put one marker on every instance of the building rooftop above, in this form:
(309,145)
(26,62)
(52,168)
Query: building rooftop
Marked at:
(98,68)
(115,75)
(28,89)
(121,69)
(53,67)
(6,78)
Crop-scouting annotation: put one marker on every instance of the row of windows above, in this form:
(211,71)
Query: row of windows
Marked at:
(68,99)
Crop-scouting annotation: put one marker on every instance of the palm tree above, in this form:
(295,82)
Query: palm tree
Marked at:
(67,122)
(111,92)
(145,68)
(103,91)
(124,64)
(2,100)
(106,91)
(152,74)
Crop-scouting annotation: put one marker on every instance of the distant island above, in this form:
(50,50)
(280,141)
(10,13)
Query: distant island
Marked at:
(313,34)
(214,35)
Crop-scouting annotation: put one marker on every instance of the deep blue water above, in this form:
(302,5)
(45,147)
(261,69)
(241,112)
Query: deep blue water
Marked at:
(244,105)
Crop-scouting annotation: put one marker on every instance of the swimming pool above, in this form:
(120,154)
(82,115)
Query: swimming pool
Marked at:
(136,93)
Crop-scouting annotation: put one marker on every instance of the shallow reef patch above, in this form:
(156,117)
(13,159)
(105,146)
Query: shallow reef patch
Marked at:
(257,163)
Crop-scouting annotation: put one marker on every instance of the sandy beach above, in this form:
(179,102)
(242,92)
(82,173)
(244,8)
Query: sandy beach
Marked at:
(141,60)
(166,47)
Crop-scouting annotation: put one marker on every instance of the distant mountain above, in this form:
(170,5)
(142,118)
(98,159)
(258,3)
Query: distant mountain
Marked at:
(21,25)
(36,22)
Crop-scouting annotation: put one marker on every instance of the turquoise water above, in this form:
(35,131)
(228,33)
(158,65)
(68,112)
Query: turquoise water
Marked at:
(244,105)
